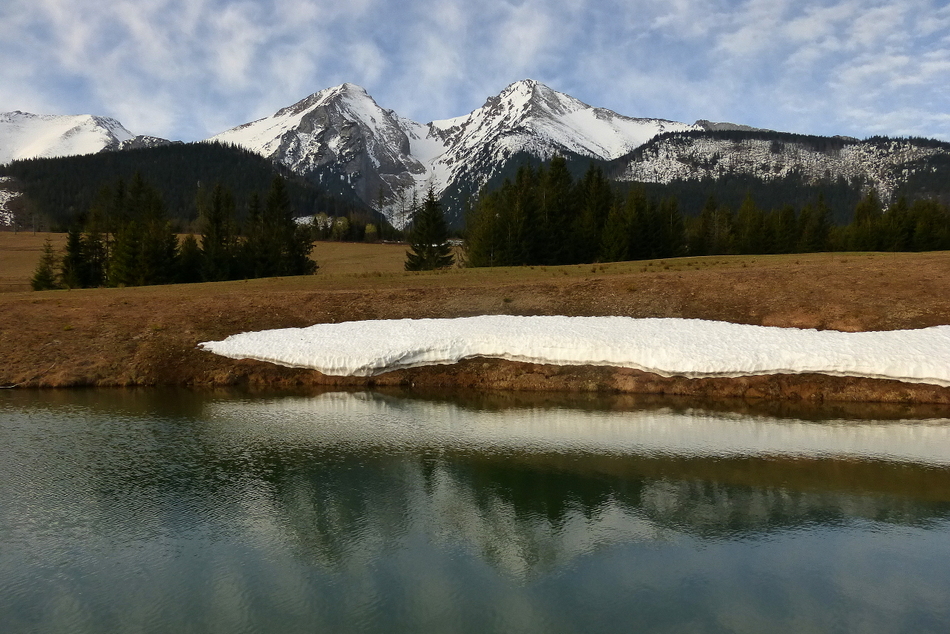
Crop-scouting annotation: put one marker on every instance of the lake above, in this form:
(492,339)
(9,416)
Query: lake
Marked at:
(174,511)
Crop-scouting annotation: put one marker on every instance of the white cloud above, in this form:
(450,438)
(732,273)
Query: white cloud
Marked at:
(190,68)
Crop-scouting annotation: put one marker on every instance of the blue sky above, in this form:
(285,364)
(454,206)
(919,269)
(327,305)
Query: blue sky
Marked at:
(186,69)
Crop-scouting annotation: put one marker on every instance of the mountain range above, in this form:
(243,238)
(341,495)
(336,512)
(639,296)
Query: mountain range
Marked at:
(341,137)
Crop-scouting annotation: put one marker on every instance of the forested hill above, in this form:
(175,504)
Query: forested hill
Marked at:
(809,141)
(61,190)
(913,168)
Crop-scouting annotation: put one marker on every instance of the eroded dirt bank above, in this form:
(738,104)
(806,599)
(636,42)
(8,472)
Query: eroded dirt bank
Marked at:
(148,336)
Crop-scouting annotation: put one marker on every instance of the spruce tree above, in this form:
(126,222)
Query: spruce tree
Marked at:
(556,208)
(814,226)
(481,233)
(44,278)
(217,234)
(72,265)
(94,258)
(615,241)
(286,247)
(864,231)
(636,210)
(190,264)
(159,244)
(595,200)
(429,238)
(252,250)
(750,224)
(786,230)
(124,261)
(674,231)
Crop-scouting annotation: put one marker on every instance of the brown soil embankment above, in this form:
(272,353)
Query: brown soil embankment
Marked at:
(148,336)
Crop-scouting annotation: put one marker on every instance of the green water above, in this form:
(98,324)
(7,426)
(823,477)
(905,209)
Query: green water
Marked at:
(160,511)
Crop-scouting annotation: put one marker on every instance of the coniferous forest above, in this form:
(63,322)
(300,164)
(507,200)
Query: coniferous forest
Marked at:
(546,217)
(127,239)
(61,190)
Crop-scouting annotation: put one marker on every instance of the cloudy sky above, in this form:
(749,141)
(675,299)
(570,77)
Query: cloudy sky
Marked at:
(186,69)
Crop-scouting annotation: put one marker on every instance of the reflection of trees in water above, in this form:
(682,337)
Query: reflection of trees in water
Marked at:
(346,502)
(526,518)
(714,510)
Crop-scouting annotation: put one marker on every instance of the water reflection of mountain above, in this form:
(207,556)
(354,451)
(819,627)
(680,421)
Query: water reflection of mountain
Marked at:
(313,514)
(531,490)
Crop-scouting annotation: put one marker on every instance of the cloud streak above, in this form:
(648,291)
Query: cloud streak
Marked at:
(190,68)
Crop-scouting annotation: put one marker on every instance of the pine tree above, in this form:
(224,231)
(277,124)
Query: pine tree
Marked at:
(749,231)
(674,232)
(863,234)
(158,250)
(595,200)
(190,264)
(217,234)
(252,259)
(72,265)
(898,226)
(286,247)
(429,238)
(815,226)
(555,210)
(615,241)
(124,262)
(482,239)
(786,230)
(44,278)
(94,258)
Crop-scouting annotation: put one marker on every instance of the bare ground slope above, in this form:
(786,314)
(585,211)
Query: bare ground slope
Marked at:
(148,335)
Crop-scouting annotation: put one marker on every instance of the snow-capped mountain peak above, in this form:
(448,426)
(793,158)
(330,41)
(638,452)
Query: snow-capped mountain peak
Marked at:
(535,118)
(339,133)
(342,134)
(24,135)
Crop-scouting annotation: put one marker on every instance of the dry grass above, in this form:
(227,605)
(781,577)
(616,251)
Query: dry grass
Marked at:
(19,255)
(148,335)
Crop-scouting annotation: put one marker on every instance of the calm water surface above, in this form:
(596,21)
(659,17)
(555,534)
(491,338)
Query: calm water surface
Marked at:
(165,511)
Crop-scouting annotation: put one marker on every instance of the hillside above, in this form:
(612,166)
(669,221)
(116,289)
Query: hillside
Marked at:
(60,189)
(916,168)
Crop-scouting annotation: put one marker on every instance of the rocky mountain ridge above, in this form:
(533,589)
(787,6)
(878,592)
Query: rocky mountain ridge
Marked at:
(882,163)
(342,139)
(24,135)
(341,133)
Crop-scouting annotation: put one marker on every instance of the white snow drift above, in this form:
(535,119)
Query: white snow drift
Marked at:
(669,347)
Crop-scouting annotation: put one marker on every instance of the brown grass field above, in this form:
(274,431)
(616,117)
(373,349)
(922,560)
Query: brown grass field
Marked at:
(147,335)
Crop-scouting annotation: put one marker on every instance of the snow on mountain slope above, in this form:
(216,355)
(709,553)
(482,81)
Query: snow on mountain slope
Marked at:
(6,196)
(342,136)
(24,135)
(339,132)
(342,132)
(529,116)
(883,163)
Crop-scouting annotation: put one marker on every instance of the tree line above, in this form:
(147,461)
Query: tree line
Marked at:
(546,217)
(127,239)
(57,190)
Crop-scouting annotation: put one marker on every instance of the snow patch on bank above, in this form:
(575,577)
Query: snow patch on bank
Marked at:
(669,347)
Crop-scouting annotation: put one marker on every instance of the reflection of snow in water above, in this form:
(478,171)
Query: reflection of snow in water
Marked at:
(670,347)
(366,419)
(520,537)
